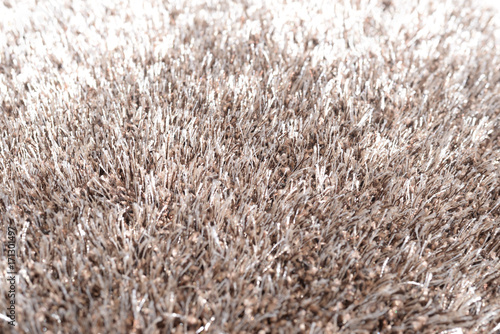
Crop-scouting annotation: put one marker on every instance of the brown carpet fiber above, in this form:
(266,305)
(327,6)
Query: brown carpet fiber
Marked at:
(251,166)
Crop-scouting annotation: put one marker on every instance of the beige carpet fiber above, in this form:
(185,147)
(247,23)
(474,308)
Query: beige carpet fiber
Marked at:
(252,166)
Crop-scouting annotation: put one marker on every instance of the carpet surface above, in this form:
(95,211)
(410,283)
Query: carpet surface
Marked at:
(251,166)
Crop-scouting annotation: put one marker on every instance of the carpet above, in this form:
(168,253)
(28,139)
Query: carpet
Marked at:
(249,167)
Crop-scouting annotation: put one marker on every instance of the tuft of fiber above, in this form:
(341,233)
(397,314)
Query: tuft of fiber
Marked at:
(253,166)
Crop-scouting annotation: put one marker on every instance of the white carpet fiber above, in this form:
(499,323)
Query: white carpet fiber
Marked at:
(251,166)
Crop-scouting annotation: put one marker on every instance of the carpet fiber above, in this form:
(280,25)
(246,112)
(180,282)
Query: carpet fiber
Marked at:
(249,166)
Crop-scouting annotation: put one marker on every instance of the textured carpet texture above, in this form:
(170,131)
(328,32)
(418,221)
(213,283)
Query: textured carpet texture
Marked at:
(259,167)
